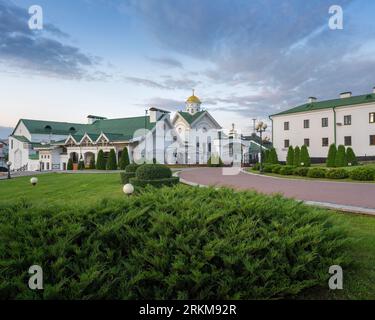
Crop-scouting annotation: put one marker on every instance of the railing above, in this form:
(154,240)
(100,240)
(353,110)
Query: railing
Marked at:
(21,169)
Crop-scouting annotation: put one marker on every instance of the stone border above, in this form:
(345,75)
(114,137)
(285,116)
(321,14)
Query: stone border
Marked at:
(325,205)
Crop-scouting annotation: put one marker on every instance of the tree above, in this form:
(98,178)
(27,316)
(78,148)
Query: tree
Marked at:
(290,156)
(124,159)
(112,163)
(92,163)
(340,160)
(70,165)
(273,156)
(351,157)
(100,162)
(331,158)
(81,165)
(266,158)
(297,157)
(305,157)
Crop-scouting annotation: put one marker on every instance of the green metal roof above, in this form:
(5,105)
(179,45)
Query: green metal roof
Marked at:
(51,127)
(34,156)
(328,104)
(189,117)
(21,139)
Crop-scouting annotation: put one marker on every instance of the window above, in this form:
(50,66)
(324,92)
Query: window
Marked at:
(348,140)
(306,124)
(372,140)
(286,125)
(347,120)
(306,142)
(324,122)
(325,142)
(286,143)
(372,117)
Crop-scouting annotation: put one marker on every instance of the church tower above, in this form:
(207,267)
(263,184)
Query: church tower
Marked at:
(193,104)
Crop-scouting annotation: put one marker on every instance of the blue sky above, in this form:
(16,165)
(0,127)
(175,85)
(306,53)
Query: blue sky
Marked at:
(244,58)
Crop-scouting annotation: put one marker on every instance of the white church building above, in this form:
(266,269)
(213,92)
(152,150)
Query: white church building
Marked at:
(348,120)
(189,138)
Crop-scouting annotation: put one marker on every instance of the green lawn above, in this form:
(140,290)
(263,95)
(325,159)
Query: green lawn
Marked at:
(359,283)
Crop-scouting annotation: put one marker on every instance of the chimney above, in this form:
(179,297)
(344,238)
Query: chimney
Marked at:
(155,114)
(91,119)
(312,99)
(345,95)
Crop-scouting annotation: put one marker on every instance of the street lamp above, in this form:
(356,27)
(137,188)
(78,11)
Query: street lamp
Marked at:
(261,127)
(9,163)
(128,189)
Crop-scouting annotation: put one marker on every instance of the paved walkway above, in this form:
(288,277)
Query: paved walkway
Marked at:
(356,197)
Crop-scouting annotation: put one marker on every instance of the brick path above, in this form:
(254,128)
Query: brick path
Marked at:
(361,195)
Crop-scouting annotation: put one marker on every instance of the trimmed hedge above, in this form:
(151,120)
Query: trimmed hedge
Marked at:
(301,171)
(100,161)
(305,157)
(70,165)
(132,167)
(125,176)
(340,160)
(316,173)
(337,174)
(215,161)
(351,157)
(256,167)
(362,174)
(286,170)
(276,168)
(268,168)
(290,156)
(331,158)
(170,244)
(168,182)
(111,162)
(124,159)
(153,172)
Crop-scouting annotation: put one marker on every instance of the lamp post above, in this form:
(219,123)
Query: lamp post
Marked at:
(9,163)
(261,127)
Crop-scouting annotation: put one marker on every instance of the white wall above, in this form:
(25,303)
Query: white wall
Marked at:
(360,130)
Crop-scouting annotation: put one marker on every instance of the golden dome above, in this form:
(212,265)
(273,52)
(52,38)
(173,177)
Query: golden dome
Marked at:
(193,99)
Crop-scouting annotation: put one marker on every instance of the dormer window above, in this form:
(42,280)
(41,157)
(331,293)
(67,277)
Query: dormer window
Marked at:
(72,129)
(48,128)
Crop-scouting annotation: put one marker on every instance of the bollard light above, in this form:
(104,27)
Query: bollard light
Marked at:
(128,189)
(9,163)
(34,181)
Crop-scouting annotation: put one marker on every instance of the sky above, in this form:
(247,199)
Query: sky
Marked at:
(115,58)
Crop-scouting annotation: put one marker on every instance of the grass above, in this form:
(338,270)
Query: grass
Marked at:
(88,188)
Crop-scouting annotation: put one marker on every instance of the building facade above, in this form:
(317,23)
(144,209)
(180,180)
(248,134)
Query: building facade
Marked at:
(3,153)
(48,145)
(348,120)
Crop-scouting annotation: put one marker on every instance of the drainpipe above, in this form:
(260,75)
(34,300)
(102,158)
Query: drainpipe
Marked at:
(334,124)
(270,117)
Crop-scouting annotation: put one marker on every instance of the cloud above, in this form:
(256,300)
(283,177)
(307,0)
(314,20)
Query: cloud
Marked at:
(167,62)
(166,83)
(280,51)
(168,104)
(33,51)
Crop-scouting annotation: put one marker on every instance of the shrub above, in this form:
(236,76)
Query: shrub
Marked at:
(100,162)
(316,173)
(273,156)
(92,163)
(124,159)
(276,168)
(215,161)
(297,157)
(177,243)
(112,163)
(132,167)
(351,157)
(290,156)
(337,174)
(266,157)
(340,160)
(70,165)
(301,171)
(157,183)
(362,174)
(81,165)
(153,172)
(286,170)
(256,167)
(268,168)
(331,158)
(129,173)
(305,157)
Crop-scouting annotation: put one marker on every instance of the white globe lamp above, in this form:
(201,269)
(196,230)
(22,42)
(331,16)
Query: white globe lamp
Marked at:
(128,189)
(34,181)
